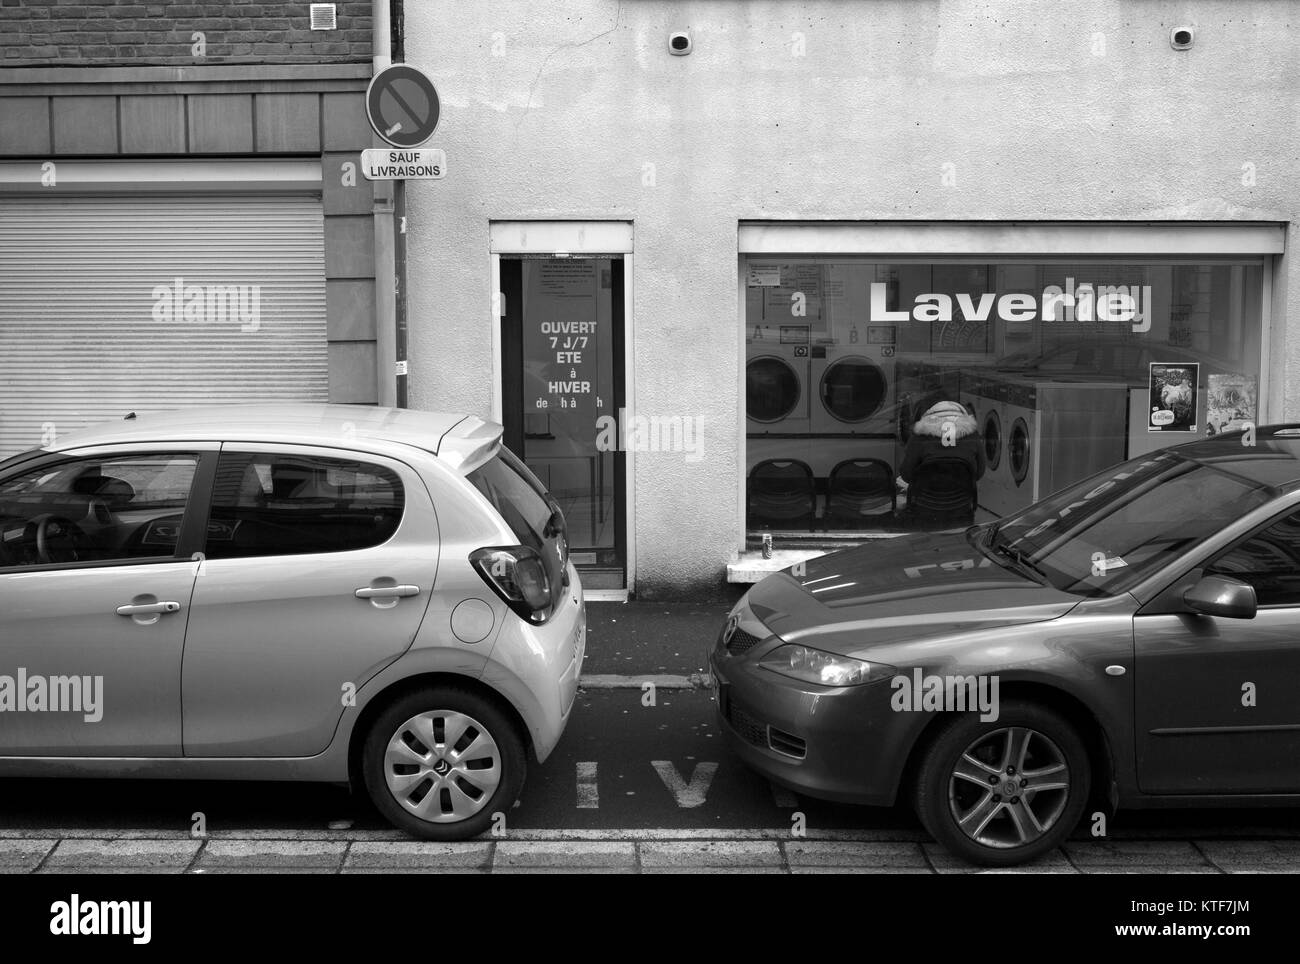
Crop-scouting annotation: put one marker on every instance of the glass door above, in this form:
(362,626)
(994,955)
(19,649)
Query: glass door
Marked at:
(562,396)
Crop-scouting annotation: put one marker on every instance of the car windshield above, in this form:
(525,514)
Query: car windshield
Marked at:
(1107,533)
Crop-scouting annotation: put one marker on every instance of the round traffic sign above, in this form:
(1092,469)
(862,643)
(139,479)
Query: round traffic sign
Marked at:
(402,105)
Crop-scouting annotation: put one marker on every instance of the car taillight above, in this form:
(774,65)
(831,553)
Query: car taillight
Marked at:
(518,575)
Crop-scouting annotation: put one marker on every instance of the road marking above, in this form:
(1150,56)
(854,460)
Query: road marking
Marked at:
(588,793)
(687,795)
(783,797)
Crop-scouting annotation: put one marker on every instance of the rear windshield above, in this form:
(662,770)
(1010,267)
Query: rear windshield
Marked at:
(515,493)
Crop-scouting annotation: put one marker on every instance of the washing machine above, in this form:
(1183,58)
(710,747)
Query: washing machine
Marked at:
(853,388)
(986,397)
(777,363)
(1056,432)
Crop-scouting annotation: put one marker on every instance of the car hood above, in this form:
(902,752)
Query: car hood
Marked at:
(913,587)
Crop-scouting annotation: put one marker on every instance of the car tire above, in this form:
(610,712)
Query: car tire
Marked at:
(427,787)
(1003,823)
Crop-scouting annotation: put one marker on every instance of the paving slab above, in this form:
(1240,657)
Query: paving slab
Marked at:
(818,853)
(272,854)
(710,853)
(417,855)
(575,853)
(158,855)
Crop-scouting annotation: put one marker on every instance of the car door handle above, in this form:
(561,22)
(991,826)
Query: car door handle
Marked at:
(158,607)
(387,592)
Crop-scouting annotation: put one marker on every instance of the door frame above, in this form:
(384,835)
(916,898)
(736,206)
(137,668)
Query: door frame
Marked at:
(566,238)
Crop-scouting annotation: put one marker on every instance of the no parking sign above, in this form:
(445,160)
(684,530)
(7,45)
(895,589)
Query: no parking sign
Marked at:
(402,105)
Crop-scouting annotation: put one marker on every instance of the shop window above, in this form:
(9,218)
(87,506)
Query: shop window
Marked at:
(1023,376)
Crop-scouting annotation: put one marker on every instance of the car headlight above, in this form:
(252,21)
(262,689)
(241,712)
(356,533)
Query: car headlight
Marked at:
(826,669)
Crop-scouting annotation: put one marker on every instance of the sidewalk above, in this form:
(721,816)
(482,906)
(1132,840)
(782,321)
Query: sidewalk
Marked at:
(605,851)
(650,638)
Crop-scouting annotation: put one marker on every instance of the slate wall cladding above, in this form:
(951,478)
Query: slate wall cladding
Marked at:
(123,32)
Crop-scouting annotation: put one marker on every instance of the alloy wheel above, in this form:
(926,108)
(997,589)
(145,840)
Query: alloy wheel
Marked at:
(1009,787)
(442,766)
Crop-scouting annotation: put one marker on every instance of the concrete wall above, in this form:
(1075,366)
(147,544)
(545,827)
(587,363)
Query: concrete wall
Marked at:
(104,32)
(785,110)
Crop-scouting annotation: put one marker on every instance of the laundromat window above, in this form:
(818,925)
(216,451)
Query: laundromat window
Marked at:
(883,397)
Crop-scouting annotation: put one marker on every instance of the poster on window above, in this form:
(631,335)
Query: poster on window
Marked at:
(1173,397)
(1230,402)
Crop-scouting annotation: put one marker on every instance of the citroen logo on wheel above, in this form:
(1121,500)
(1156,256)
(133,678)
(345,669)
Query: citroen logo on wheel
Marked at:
(442,768)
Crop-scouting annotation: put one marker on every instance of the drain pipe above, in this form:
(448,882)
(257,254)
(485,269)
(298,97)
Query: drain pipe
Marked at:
(385,241)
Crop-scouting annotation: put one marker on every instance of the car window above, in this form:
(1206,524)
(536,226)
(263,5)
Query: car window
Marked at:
(99,509)
(1269,561)
(274,504)
(1106,534)
(516,494)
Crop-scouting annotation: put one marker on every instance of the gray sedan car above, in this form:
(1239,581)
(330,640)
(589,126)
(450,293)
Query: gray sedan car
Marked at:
(322,593)
(1129,641)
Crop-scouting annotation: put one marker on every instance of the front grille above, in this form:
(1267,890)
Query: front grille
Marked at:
(750,730)
(741,642)
(759,734)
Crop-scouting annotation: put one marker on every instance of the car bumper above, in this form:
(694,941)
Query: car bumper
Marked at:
(538,667)
(834,743)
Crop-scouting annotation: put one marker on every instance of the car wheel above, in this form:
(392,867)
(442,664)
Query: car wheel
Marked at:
(1003,792)
(440,762)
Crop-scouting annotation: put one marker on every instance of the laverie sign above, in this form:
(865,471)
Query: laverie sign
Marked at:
(1081,302)
(427,163)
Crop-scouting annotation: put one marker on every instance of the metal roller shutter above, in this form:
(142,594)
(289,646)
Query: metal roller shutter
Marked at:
(110,305)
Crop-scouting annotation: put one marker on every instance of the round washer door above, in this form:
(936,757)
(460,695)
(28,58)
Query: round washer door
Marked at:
(771,389)
(853,388)
(992,434)
(1018,451)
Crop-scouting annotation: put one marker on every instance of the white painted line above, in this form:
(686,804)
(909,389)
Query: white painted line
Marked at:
(687,795)
(663,681)
(588,792)
(783,798)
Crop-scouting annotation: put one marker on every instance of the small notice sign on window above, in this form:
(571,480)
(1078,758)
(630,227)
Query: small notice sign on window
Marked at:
(764,276)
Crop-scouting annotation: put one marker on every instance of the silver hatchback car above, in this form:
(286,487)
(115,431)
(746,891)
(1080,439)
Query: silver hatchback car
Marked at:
(322,592)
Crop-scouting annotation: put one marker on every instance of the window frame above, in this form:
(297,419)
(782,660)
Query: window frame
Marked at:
(193,521)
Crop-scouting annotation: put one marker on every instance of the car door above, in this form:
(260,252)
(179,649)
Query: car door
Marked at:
(1218,699)
(318,568)
(95,584)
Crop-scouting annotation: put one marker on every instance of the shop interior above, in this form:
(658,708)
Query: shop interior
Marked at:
(844,358)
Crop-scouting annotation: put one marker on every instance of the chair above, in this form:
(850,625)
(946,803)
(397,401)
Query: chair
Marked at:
(782,493)
(855,489)
(942,494)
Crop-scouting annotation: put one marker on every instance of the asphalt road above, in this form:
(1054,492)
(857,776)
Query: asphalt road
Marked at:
(620,765)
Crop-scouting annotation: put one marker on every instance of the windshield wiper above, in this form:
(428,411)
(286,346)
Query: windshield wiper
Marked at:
(1020,559)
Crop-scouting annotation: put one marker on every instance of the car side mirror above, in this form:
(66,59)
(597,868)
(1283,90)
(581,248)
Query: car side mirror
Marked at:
(1221,596)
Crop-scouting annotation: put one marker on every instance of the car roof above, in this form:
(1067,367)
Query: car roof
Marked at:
(1273,459)
(454,436)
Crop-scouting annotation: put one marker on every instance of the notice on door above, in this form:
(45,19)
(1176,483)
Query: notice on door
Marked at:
(560,338)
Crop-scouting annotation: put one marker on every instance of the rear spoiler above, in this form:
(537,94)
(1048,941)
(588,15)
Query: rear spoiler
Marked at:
(469,443)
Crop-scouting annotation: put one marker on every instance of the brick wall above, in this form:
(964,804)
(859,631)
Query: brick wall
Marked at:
(71,33)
